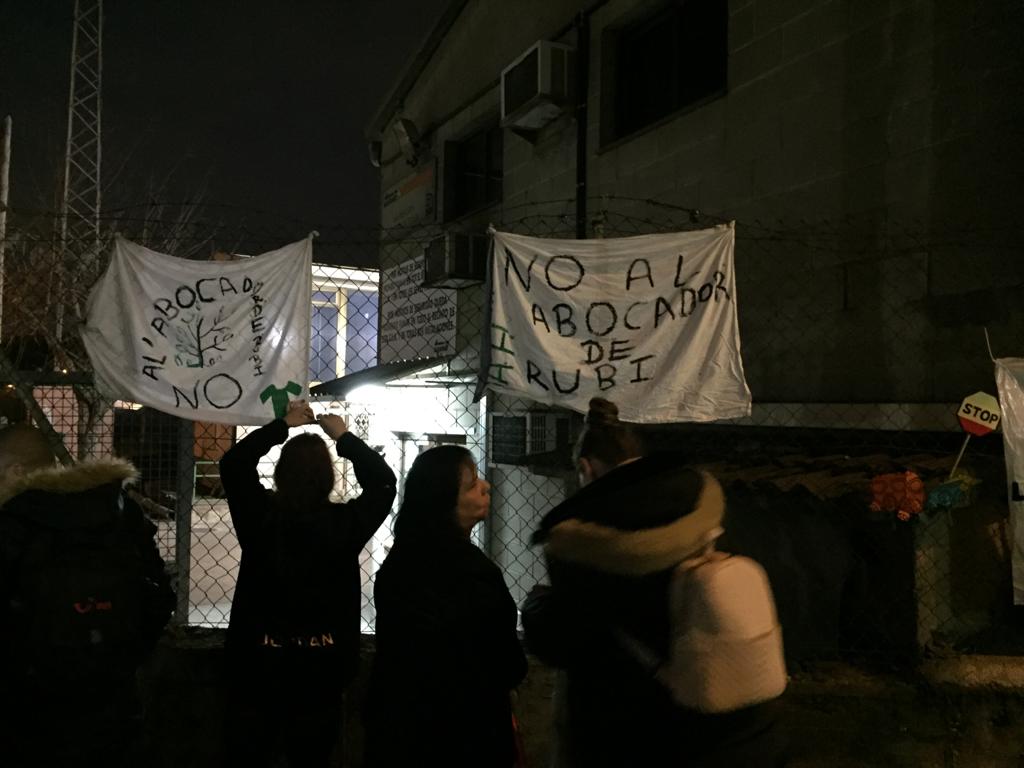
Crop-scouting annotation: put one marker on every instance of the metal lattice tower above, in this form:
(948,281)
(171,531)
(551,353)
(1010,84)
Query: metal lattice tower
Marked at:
(80,203)
(80,206)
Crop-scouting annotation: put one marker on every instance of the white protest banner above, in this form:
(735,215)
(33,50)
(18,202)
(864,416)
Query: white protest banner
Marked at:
(222,341)
(647,322)
(1010,380)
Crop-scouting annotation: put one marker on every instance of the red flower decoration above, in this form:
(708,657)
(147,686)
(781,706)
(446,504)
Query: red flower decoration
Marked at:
(899,492)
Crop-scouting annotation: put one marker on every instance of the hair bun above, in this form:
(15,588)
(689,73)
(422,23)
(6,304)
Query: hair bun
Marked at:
(602,413)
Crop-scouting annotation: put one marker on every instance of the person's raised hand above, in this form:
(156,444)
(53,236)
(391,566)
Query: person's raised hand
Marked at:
(333,425)
(299,413)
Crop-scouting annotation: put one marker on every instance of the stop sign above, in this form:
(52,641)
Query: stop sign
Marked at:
(979,413)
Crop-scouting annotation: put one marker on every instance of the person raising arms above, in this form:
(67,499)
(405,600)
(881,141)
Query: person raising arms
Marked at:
(293,638)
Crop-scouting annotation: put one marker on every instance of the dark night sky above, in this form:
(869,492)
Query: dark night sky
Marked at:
(256,103)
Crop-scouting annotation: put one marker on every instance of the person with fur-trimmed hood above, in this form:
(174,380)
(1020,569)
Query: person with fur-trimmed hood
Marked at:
(611,551)
(83,600)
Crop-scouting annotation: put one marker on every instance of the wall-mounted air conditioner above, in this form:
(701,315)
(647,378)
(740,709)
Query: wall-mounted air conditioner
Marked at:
(517,438)
(455,260)
(537,86)
(546,431)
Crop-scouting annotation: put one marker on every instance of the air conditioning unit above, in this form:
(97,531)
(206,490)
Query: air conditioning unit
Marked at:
(546,431)
(455,260)
(537,86)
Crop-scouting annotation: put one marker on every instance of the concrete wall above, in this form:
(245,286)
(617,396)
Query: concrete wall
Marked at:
(525,498)
(485,38)
(869,153)
(833,107)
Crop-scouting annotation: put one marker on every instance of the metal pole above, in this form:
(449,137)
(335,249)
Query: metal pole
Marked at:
(185,488)
(70,133)
(64,212)
(99,124)
(5,177)
(582,83)
(958,457)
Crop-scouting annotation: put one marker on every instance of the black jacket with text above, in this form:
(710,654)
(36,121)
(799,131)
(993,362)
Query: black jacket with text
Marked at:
(447,658)
(298,589)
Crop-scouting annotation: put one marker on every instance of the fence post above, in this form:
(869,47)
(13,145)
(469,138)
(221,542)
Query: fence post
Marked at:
(185,488)
(5,170)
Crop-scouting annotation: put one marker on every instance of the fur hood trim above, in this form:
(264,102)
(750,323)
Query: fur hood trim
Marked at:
(646,551)
(75,478)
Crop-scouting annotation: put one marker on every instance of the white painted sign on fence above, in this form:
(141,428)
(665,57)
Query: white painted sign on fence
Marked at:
(221,341)
(648,322)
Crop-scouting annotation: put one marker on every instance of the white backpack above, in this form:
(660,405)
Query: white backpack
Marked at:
(725,651)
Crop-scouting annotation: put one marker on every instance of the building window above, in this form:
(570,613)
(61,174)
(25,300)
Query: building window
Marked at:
(344,323)
(473,172)
(323,346)
(361,331)
(667,61)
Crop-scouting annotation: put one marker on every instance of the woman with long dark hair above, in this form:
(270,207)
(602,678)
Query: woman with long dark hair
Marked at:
(447,653)
(293,639)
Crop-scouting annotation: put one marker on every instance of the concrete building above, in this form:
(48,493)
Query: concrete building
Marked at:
(868,152)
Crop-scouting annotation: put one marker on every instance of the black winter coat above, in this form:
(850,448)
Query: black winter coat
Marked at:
(76,502)
(298,591)
(447,658)
(46,515)
(612,712)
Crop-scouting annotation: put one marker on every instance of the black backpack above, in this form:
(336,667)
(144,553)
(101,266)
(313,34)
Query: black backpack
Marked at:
(86,603)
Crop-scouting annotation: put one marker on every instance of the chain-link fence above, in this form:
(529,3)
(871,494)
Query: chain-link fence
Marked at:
(860,338)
